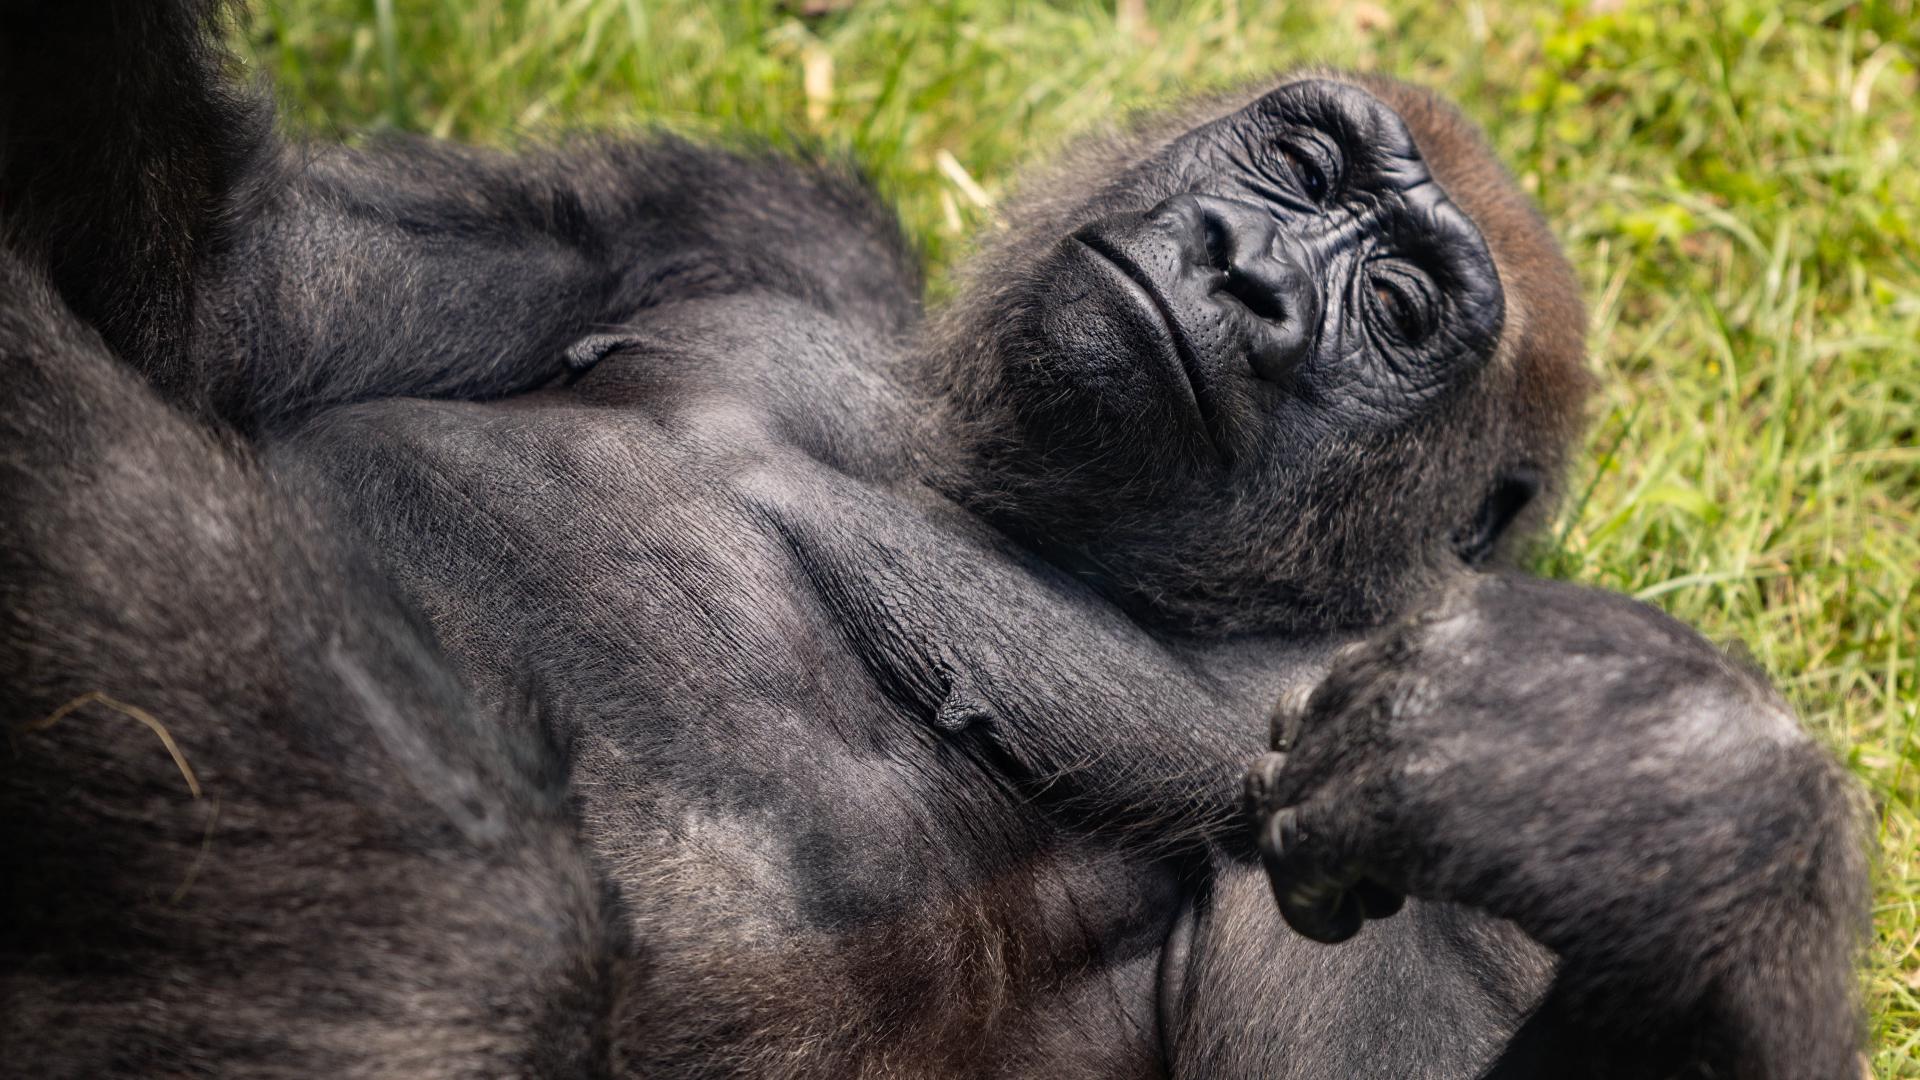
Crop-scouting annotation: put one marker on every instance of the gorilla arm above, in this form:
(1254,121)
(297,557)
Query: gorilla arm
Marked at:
(1596,773)
(251,823)
(257,281)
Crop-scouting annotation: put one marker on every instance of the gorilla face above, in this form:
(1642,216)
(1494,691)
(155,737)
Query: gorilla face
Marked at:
(1311,279)
(1245,383)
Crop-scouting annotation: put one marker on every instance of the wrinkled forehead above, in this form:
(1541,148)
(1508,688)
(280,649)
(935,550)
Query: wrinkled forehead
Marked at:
(1371,114)
(1345,111)
(1342,127)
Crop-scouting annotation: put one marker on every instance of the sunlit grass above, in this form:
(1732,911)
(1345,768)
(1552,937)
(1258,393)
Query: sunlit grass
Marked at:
(1737,183)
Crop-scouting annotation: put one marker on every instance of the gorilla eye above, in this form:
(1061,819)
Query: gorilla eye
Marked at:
(1312,180)
(1313,166)
(1405,297)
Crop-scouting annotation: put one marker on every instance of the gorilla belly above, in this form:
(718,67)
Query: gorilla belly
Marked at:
(814,872)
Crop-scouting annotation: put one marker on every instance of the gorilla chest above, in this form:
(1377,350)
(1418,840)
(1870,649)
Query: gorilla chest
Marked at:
(777,689)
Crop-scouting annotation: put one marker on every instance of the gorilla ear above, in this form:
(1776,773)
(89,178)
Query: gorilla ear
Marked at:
(1477,540)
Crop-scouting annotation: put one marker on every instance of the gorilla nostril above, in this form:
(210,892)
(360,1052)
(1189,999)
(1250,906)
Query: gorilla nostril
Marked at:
(1288,338)
(1286,300)
(1243,253)
(1218,244)
(1257,265)
(1260,296)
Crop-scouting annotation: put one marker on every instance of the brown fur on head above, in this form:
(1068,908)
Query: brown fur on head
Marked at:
(1347,539)
(1541,369)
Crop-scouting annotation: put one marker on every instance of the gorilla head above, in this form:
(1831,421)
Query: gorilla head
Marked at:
(1297,354)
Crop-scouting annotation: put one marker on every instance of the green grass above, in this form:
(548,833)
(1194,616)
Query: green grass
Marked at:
(1737,184)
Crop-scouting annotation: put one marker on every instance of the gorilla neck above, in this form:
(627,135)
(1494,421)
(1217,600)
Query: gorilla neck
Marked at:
(1165,538)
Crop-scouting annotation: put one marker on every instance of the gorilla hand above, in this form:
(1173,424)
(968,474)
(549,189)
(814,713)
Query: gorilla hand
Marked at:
(1594,771)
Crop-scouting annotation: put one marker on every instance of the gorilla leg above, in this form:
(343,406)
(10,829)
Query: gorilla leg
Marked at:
(251,824)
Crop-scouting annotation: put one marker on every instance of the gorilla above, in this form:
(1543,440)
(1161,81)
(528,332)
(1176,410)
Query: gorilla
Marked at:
(571,614)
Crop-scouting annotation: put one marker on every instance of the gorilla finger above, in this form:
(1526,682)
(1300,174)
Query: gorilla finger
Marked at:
(1283,724)
(1314,897)
(1329,916)
(1263,787)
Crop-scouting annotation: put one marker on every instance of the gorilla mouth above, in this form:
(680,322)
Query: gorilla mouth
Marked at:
(1184,367)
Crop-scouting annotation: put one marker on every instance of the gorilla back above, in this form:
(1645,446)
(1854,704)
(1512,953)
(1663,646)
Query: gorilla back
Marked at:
(713,670)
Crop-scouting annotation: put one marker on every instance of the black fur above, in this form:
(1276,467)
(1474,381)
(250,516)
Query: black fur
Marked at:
(1593,771)
(253,824)
(566,614)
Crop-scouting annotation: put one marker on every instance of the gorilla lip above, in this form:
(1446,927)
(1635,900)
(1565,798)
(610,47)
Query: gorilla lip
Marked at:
(1184,364)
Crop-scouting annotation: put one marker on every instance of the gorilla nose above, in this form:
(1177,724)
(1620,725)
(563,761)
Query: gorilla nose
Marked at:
(1262,269)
